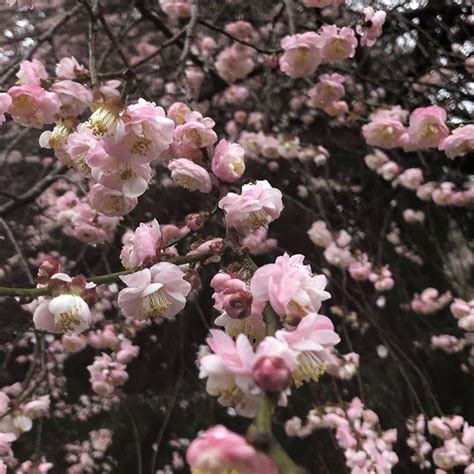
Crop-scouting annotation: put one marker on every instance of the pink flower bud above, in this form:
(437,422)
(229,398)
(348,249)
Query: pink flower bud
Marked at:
(272,375)
(237,304)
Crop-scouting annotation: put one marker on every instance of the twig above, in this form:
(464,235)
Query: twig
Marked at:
(107,278)
(32,193)
(136,437)
(290,15)
(18,250)
(42,38)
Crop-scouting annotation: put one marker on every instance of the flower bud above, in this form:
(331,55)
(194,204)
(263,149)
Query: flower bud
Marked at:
(237,304)
(272,375)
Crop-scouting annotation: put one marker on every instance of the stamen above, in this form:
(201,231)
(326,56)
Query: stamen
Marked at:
(140,146)
(155,305)
(310,367)
(68,320)
(102,120)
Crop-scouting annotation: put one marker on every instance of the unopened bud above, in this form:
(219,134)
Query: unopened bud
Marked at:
(272,375)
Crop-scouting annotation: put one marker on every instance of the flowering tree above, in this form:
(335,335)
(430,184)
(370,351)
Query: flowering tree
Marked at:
(236,236)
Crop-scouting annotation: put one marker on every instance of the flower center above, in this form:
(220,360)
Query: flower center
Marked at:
(232,397)
(59,135)
(68,320)
(140,146)
(310,367)
(186,182)
(155,305)
(102,120)
(257,219)
(429,129)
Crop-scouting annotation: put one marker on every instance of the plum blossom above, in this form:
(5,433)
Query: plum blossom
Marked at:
(66,313)
(337,44)
(372,27)
(159,292)
(459,143)
(310,340)
(383,132)
(234,63)
(144,243)
(426,128)
(257,206)
(141,134)
(221,450)
(176,8)
(5,103)
(31,73)
(189,175)
(301,56)
(228,370)
(69,68)
(74,97)
(197,131)
(32,106)
(228,162)
(290,287)
(110,202)
(106,374)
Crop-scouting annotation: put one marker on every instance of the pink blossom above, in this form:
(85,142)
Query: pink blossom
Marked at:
(110,202)
(228,162)
(177,112)
(220,450)
(459,143)
(145,243)
(32,106)
(234,63)
(242,30)
(426,129)
(372,27)
(189,175)
(74,97)
(176,8)
(389,170)
(142,134)
(311,340)
(106,374)
(257,242)
(338,256)
(411,216)
(257,206)
(337,44)
(159,292)
(69,68)
(329,89)
(376,159)
(65,313)
(73,343)
(228,370)
(5,103)
(410,178)
(196,131)
(360,269)
(31,73)
(129,178)
(290,287)
(301,56)
(321,3)
(383,132)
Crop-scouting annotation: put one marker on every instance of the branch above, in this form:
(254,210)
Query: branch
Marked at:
(42,38)
(262,428)
(107,278)
(32,193)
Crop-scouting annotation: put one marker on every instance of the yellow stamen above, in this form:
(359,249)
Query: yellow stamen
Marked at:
(155,305)
(102,120)
(310,367)
(68,320)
